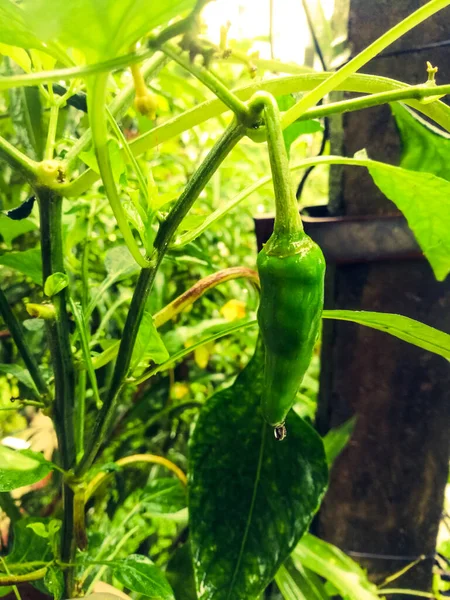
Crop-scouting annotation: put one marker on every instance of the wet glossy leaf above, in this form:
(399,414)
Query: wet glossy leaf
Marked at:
(27,262)
(180,573)
(20,468)
(251,498)
(139,574)
(409,330)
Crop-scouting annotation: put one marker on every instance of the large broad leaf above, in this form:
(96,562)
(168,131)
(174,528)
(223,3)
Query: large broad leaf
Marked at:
(424,199)
(100,28)
(27,262)
(180,573)
(328,561)
(139,574)
(15,27)
(19,468)
(424,146)
(251,498)
(406,329)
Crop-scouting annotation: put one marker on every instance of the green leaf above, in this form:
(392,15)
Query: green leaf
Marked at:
(100,28)
(55,283)
(10,230)
(20,468)
(19,373)
(424,146)
(148,343)
(340,570)
(180,573)
(28,546)
(15,27)
(298,128)
(265,492)
(139,574)
(424,199)
(336,440)
(163,496)
(115,154)
(119,263)
(39,529)
(299,584)
(409,330)
(54,582)
(27,262)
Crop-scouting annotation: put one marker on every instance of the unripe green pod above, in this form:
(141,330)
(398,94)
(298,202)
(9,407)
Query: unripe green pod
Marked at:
(292,288)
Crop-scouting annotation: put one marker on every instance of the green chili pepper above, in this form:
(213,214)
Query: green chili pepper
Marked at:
(291,269)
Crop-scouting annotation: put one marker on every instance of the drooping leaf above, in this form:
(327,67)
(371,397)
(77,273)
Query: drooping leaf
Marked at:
(20,468)
(27,262)
(164,495)
(139,574)
(331,563)
(424,146)
(409,330)
(10,230)
(265,492)
(424,199)
(100,28)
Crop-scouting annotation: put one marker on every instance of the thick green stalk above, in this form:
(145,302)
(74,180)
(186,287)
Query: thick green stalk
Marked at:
(58,334)
(16,330)
(165,233)
(287,220)
(331,83)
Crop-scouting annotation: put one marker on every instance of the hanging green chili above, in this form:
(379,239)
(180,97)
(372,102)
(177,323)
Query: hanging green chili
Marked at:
(291,270)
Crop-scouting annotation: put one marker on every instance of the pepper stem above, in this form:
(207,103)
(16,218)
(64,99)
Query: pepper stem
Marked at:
(287,216)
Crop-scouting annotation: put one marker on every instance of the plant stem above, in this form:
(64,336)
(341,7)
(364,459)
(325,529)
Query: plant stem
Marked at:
(165,233)
(210,80)
(369,84)
(17,333)
(51,135)
(58,333)
(18,161)
(287,219)
(330,84)
(99,128)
